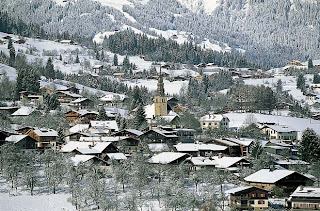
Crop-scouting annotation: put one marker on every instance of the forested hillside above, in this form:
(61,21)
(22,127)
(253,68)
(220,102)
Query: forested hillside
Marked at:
(272,32)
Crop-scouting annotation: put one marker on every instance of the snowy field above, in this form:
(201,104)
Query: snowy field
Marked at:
(289,84)
(20,200)
(9,71)
(169,87)
(300,124)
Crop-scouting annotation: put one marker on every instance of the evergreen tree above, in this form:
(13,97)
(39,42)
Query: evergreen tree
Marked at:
(12,57)
(310,146)
(50,74)
(279,86)
(126,62)
(51,102)
(115,60)
(77,59)
(102,116)
(316,78)
(310,64)
(301,82)
(140,121)
(10,45)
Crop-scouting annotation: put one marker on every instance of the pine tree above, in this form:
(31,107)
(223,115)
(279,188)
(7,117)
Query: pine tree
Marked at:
(140,121)
(51,102)
(301,82)
(279,86)
(310,64)
(310,146)
(115,60)
(50,74)
(77,59)
(102,116)
(12,57)
(10,45)
(126,62)
(316,78)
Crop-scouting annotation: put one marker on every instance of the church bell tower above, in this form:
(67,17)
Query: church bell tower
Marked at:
(160,100)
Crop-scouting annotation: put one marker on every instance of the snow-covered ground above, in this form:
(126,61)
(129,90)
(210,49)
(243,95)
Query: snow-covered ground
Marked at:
(300,124)
(9,71)
(169,87)
(196,5)
(289,84)
(22,200)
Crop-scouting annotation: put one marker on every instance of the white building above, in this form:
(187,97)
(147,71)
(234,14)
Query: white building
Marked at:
(214,121)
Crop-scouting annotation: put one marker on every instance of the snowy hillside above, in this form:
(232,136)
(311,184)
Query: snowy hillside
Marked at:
(208,6)
(8,71)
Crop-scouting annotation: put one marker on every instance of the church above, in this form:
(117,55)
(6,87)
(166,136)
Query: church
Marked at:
(160,109)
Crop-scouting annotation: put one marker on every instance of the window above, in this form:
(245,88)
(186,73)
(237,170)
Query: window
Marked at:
(251,202)
(204,123)
(209,123)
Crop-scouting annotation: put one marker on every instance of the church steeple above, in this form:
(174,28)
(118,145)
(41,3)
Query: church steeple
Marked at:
(160,85)
(160,100)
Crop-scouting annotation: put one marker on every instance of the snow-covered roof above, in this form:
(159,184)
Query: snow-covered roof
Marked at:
(73,145)
(45,132)
(166,157)
(88,151)
(150,111)
(71,94)
(133,131)
(281,128)
(279,143)
(81,158)
(15,138)
(111,125)
(226,142)
(168,118)
(79,100)
(165,133)
(203,161)
(158,147)
(102,138)
(306,192)
(186,147)
(242,141)
(291,162)
(268,176)
(113,97)
(97,66)
(23,111)
(226,162)
(238,189)
(212,118)
(79,128)
(117,156)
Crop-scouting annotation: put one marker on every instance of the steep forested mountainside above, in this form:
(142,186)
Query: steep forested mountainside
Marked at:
(271,31)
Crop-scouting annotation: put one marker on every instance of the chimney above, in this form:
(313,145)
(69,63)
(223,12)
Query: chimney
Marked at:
(220,155)
(300,188)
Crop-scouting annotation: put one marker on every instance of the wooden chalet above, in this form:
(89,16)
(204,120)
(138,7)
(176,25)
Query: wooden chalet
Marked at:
(305,198)
(129,133)
(83,116)
(82,103)
(160,136)
(22,142)
(284,179)
(8,110)
(67,96)
(46,138)
(248,198)
(234,148)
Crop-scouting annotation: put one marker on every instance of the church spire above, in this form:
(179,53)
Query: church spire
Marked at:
(160,85)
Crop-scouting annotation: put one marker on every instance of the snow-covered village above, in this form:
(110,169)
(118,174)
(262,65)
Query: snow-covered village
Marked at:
(156,105)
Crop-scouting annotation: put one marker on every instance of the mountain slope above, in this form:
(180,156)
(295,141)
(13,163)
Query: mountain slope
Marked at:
(272,32)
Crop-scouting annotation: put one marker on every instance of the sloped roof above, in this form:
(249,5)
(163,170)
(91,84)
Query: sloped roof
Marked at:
(81,158)
(281,128)
(165,133)
(46,132)
(112,125)
(306,192)
(79,128)
(23,111)
(133,131)
(166,157)
(15,138)
(117,156)
(241,141)
(238,189)
(212,118)
(268,176)
(202,161)
(182,147)
(103,138)
(79,100)
(226,162)
(73,145)
(71,94)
